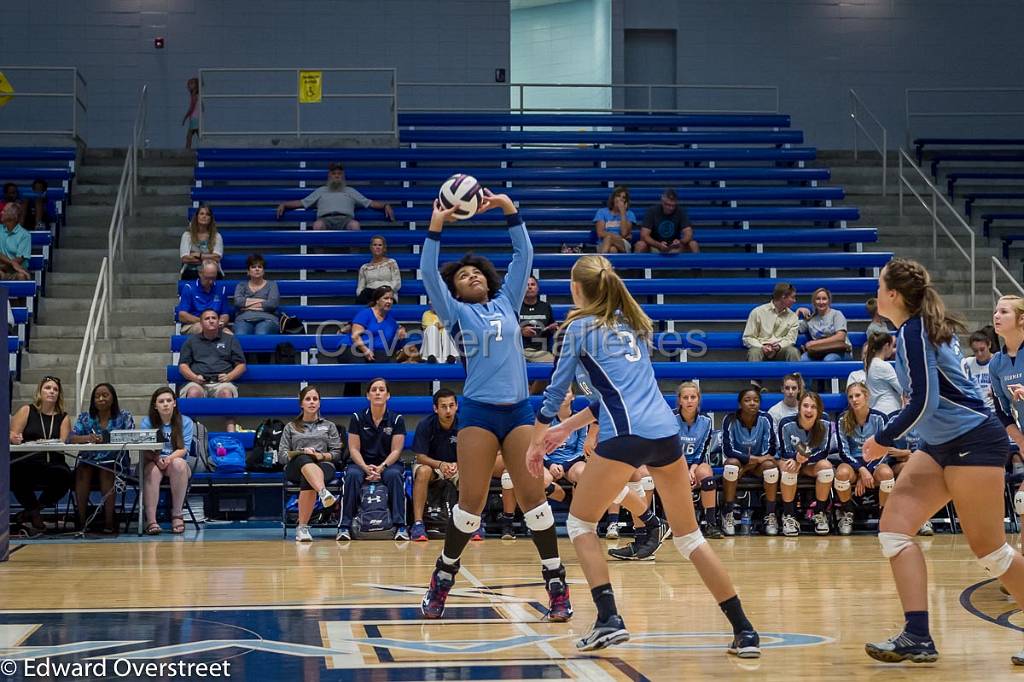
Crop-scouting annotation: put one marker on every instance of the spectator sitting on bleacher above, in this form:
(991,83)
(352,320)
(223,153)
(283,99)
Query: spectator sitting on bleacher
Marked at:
(256,300)
(210,361)
(173,460)
(15,245)
(380,271)
(884,390)
(203,294)
(43,419)
(375,331)
(771,330)
(435,448)
(376,437)
(878,323)
(614,223)
(667,228)
(827,329)
(792,388)
(37,214)
(94,426)
(336,203)
(537,325)
(200,243)
(12,196)
(437,344)
(312,447)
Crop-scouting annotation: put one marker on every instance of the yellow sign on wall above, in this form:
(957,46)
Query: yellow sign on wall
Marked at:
(310,86)
(6,89)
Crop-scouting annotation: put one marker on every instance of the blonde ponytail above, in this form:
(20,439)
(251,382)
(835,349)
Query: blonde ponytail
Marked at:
(608,299)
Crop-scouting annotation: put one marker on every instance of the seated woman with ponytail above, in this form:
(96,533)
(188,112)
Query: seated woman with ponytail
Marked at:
(855,476)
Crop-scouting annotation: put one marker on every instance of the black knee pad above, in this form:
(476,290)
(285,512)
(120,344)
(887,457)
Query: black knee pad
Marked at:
(550,489)
(708,483)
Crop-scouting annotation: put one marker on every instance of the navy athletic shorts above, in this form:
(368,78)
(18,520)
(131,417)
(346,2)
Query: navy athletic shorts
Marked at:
(637,452)
(983,446)
(498,419)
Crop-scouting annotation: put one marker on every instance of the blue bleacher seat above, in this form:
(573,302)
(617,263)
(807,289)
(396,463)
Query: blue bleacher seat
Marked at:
(659,176)
(447,119)
(29,173)
(993,156)
(638,287)
(37,153)
(921,142)
(564,196)
(745,137)
(697,214)
(252,238)
(340,408)
(553,261)
(972,197)
(953,178)
(988,218)
(353,156)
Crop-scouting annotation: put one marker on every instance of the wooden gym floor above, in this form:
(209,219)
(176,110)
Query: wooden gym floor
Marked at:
(275,610)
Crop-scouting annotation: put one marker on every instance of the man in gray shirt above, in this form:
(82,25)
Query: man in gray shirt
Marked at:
(210,361)
(336,203)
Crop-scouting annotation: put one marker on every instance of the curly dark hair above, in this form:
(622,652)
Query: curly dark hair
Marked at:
(481,263)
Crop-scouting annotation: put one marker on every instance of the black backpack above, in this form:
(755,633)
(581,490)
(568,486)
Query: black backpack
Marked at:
(374,517)
(268,438)
(441,497)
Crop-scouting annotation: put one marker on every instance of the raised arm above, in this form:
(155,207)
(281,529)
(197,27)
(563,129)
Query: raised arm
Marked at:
(518,273)
(437,291)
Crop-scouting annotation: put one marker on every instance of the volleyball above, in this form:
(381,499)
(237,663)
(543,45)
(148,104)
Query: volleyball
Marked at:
(463,192)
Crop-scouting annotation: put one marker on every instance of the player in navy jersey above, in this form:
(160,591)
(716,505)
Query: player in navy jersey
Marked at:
(749,446)
(962,456)
(805,441)
(695,431)
(855,476)
(482,314)
(607,335)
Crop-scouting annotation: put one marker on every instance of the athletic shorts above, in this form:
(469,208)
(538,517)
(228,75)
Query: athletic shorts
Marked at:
(498,419)
(335,221)
(983,446)
(565,465)
(637,452)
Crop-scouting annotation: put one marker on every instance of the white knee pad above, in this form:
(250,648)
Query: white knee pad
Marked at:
(894,543)
(771,476)
(841,485)
(688,544)
(576,527)
(637,487)
(1018,502)
(826,475)
(464,521)
(888,484)
(622,495)
(998,562)
(731,472)
(789,478)
(647,483)
(506,482)
(540,517)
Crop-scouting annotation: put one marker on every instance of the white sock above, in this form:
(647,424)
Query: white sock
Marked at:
(551,564)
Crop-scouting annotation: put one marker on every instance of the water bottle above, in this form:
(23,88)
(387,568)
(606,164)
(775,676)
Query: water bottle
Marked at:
(269,458)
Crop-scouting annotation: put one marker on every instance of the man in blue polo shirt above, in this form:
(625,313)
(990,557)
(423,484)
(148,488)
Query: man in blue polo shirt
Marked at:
(203,294)
(15,245)
(376,437)
(435,446)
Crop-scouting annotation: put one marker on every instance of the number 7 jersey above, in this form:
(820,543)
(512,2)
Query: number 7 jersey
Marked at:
(486,334)
(618,368)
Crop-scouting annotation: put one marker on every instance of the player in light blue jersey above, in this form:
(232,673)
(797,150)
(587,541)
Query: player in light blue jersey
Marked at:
(608,336)
(695,431)
(962,456)
(854,476)
(482,314)
(1006,371)
(805,442)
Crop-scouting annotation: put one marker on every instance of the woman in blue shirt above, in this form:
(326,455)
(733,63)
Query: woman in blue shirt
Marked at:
(962,457)
(613,224)
(748,443)
(607,337)
(855,476)
(175,431)
(375,331)
(482,313)
(94,426)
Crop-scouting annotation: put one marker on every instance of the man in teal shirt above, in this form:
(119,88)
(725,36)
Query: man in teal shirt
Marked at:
(15,246)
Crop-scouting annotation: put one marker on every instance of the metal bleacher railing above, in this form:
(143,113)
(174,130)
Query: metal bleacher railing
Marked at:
(103,296)
(75,91)
(858,110)
(999,269)
(933,206)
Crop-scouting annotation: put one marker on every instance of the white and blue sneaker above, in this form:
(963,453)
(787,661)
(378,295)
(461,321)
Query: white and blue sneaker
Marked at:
(747,644)
(903,647)
(604,634)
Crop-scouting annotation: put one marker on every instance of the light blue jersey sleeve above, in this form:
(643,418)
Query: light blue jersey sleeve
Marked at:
(518,274)
(567,357)
(444,303)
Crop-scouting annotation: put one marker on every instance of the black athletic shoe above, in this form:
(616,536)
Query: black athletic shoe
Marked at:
(903,647)
(441,582)
(559,606)
(604,633)
(507,531)
(712,531)
(747,644)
